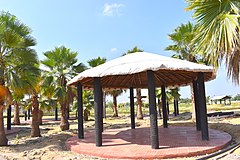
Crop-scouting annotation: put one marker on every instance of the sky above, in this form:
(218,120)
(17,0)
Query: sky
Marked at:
(108,28)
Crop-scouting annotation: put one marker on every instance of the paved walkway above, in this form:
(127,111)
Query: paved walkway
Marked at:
(12,131)
(135,143)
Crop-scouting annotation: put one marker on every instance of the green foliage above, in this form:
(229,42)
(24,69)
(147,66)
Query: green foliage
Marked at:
(18,61)
(237,97)
(185,100)
(135,49)
(62,66)
(96,61)
(171,94)
(217,35)
(109,104)
(88,100)
(184,44)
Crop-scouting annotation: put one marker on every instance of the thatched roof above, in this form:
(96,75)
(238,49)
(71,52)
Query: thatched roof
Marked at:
(130,71)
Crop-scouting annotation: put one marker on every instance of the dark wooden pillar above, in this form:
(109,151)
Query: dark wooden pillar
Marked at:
(29,112)
(132,108)
(80,111)
(56,113)
(101,110)
(25,115)
(164,107)
(9,116)
(159,108)
(203,109)
(98,105)
(175,107)
(197,106)
(152,109)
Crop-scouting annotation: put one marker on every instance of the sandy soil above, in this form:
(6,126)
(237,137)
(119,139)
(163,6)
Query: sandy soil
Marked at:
(51,146)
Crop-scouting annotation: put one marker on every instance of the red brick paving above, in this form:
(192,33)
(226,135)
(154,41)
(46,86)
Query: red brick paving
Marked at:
(135,143)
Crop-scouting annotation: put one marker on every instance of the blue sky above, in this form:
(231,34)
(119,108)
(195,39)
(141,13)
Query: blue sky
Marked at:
(108,29)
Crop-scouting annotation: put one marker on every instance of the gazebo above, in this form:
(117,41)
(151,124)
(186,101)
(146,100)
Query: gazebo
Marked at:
(225,98)
(144,70)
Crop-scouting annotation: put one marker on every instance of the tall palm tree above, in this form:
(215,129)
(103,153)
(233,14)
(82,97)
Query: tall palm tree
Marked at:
(62,66)
(34,91)
(17,98)
(138,90)
(184,49)
(115,93)
(218,32)
(176,96)
(16,58)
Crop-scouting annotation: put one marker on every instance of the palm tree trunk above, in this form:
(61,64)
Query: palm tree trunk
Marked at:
(64,125)
(16,119)
(67,112)
(139,104)
(86,114)
(40,115)
(3,138)
(115,111)
(35,132)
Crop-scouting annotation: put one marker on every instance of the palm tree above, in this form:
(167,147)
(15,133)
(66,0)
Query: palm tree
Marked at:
(138,90)
(16,58)
(88,102)
(169,98)
(47,93)
(61,63)
(176,96)
(96,61)
(182,38)
(218,32)
(115,93)
(17,98)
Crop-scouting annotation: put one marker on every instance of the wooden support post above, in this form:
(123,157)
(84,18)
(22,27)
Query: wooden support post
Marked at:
(132,108)
(164,107)
(56,113)
(80,111)
(202,104)
(25,115)
(159,108)
(152,109)
(9,116)
(197,106)
(29,112)
(175,107)
(97,107)
(101,109)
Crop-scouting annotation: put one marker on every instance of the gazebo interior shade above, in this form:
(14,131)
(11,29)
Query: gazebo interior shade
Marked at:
(130,71)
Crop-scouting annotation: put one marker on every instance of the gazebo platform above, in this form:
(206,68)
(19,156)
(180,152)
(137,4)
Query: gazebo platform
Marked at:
(135,143)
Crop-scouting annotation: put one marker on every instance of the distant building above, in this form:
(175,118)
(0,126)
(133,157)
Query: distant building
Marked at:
(226,100)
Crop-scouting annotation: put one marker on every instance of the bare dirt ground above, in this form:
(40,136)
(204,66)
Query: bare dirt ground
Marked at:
(51,146)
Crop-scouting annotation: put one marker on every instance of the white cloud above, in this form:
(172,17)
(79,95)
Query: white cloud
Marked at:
(113,9)
(113,49)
